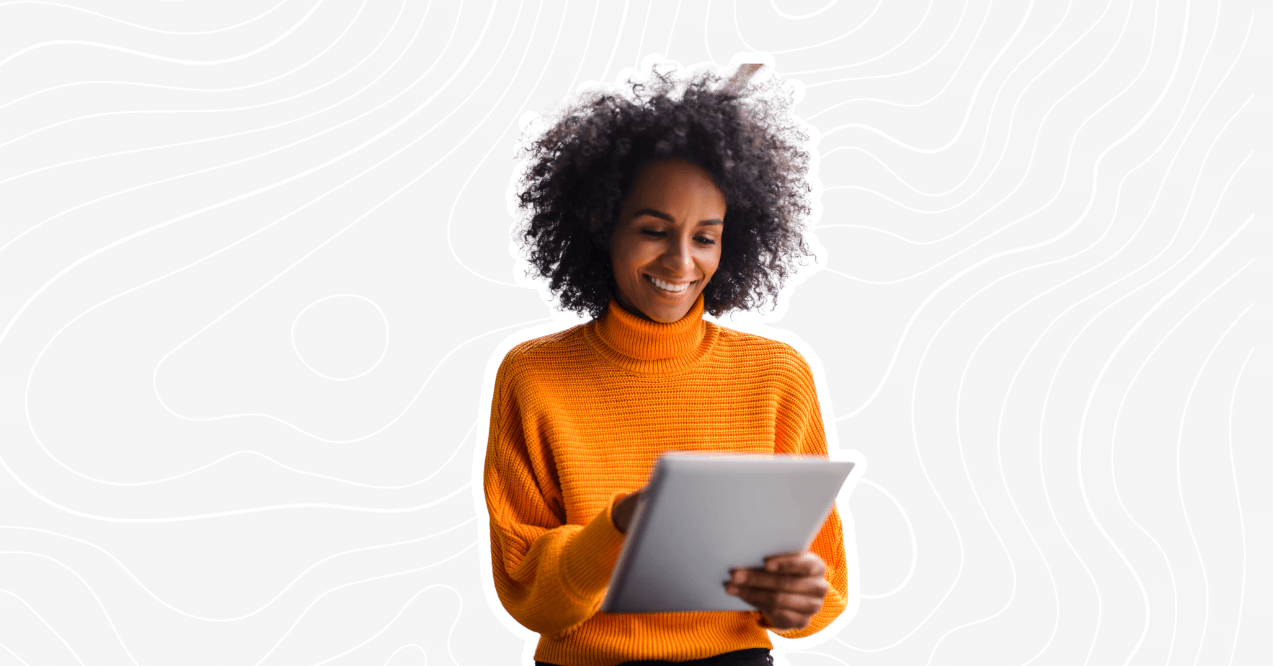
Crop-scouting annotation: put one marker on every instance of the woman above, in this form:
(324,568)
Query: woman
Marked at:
(646,212)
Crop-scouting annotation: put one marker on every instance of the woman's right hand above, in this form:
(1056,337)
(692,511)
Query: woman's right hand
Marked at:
(621,516)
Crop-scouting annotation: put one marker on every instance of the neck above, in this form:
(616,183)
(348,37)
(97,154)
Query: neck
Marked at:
(627,305)
(629,332)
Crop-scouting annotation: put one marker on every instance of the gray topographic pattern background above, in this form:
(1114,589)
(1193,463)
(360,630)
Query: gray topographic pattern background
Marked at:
(254,267)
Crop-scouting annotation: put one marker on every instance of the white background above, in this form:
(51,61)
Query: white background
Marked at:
(254,265)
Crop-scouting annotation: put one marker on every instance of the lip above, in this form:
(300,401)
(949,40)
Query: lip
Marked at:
(664,292)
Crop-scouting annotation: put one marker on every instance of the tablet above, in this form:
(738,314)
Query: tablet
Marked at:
(704,514)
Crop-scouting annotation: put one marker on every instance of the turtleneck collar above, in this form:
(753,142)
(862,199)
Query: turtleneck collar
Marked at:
(649,346)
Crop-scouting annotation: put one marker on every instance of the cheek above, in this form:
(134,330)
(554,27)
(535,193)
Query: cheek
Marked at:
(711,260)
(622,259)
(633,260)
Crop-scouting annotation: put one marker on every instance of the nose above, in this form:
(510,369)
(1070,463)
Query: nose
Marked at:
(679,256)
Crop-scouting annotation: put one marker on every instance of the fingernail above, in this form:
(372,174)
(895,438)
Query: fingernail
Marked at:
(738,576)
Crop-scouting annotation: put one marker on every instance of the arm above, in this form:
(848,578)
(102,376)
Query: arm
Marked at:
(550,576)
(801,432)
(836,599)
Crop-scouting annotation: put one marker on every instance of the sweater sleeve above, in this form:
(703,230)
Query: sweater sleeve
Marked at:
(801,432)
(550,576)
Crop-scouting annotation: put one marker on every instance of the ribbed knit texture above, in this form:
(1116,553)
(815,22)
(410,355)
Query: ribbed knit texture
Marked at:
(578,419)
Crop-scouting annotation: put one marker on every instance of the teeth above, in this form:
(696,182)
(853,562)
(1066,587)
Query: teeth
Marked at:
(667,286)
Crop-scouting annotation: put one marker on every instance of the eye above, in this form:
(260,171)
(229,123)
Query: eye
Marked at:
(653,232)
(706,241)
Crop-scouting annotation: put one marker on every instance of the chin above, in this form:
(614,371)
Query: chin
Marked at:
(658,306)
(665,318)
(668,314)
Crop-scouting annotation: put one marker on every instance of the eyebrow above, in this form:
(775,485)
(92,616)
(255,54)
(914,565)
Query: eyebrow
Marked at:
(664,216)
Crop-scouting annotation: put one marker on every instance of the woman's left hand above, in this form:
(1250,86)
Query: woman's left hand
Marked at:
(788,591)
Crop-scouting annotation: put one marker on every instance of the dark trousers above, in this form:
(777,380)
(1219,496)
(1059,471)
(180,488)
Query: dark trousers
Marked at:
(748,657)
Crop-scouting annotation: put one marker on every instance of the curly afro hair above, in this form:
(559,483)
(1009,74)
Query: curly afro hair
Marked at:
(579,171)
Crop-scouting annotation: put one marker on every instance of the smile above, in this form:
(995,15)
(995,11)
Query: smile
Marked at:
(668,286)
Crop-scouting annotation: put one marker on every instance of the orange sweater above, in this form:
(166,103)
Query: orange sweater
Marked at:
(577,421)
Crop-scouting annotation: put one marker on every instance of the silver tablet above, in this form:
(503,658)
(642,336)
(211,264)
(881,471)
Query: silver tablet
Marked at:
(704,514)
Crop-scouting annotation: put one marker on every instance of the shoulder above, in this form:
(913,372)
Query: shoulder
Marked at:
(544,344)
(543,353)
(531,359)
(774,353)
(786,364)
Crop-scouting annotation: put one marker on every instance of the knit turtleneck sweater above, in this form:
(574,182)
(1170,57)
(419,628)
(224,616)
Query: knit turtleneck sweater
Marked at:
(578,419)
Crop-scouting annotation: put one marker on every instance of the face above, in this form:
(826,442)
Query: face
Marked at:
(667,242)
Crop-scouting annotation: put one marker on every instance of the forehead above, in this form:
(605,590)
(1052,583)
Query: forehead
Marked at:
(675,182)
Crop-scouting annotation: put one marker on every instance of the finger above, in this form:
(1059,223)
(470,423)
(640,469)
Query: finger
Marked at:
(783,620)
(806,563)
(775,601)
(812,585)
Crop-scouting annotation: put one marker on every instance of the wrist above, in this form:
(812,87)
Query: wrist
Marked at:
(616,513)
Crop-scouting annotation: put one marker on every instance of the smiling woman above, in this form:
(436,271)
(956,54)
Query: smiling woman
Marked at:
(666,245)
(743,138)
(645,212)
